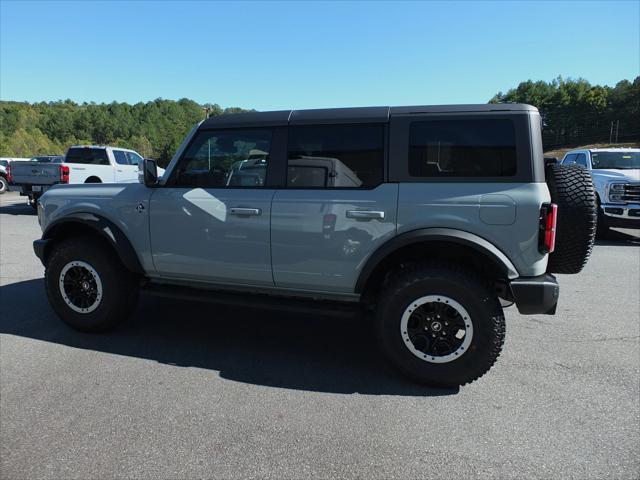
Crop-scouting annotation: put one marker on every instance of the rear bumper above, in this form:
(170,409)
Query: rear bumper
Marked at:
(536,295)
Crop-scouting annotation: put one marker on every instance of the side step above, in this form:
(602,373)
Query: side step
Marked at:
(255,300)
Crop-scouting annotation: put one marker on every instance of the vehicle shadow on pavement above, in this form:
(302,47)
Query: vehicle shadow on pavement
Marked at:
(262,347)
(16,208)
(620,239)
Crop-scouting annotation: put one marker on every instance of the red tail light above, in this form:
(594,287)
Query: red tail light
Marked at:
(64,174)
(548,223)
(9,177)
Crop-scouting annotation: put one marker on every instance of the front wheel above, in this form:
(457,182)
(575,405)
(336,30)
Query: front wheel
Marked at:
(3,185)
(440,325)
(87,285)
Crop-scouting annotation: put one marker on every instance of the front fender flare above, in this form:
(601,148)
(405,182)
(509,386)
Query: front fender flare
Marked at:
(103,227)
(432,235)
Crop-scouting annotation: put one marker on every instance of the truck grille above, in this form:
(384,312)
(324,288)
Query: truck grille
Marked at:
(631,193)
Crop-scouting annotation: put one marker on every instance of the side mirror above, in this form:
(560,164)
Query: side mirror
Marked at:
(148,172)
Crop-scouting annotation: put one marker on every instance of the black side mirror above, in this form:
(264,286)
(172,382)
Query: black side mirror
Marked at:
(148,172)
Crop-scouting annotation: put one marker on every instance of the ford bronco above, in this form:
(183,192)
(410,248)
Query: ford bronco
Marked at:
(427,219)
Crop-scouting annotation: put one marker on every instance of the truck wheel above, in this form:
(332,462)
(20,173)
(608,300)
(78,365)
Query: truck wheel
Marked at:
(3,185)
(87,285)
(440,325)
(571,188)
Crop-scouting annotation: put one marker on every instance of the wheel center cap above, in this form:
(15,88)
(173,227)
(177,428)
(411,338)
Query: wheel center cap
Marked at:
(85,285)
(436,326)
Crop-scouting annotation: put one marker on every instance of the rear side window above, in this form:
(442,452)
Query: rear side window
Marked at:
(335,156)
(94,156)
(462,148)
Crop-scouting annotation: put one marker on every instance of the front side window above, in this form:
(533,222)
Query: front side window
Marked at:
(225,158)
(133,158)
(121,157)
(571,158)
(335,156)
(92,156)
(581,160)
(462,148)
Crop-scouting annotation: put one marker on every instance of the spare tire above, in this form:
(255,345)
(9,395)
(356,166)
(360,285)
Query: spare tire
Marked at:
(572,189)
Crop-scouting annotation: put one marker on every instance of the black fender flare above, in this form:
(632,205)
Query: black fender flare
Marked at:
(432,235)
(103,227)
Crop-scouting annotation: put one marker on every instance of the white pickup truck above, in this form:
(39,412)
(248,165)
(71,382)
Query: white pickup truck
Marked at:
(82,164)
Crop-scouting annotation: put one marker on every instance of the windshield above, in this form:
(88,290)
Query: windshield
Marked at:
(615,160)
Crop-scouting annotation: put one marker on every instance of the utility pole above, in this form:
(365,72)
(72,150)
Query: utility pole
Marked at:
(617,127)
(206,112)
(611,132)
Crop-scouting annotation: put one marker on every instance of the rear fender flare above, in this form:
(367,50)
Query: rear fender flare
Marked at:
(423,235)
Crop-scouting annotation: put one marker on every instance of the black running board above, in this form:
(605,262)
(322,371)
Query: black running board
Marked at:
(255,300)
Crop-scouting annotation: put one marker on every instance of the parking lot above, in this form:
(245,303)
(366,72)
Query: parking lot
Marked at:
(203,391)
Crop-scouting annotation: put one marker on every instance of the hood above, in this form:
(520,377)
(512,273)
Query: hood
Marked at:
(629,175)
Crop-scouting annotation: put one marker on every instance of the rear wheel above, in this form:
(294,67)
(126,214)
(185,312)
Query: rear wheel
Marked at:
(3,185)
(87,285)
(440,325)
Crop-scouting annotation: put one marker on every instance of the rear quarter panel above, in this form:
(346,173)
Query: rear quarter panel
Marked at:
(505,214)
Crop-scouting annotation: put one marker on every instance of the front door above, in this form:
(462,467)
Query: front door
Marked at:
(210,221)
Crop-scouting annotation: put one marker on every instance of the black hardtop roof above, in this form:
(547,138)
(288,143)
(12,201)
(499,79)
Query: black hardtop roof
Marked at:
(349,115)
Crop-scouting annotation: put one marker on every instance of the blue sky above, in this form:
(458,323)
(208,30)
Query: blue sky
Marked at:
(304,55)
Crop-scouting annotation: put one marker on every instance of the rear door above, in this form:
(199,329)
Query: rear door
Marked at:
(335,209)
(210,221)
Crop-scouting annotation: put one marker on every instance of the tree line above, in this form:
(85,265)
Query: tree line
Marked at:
(154,129)
(574,113)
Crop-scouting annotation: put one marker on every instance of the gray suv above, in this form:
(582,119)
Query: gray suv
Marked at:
(427,219)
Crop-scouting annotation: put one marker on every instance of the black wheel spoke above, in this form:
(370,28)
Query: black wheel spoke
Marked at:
(80,287)
(433,329)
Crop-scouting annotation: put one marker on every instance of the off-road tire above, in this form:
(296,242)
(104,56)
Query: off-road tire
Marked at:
(465,287)
(3,185)
(572,189)
(119,287)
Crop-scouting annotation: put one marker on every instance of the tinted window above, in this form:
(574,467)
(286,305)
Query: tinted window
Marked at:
(121,158)
(462,148)
(47,159)
(571,158)
(339,156)
(133,158)
(581,160)
(229,158)
(4,163)
(95,156)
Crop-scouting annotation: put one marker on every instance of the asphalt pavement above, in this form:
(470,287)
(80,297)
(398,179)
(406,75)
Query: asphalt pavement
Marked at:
(203,391)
